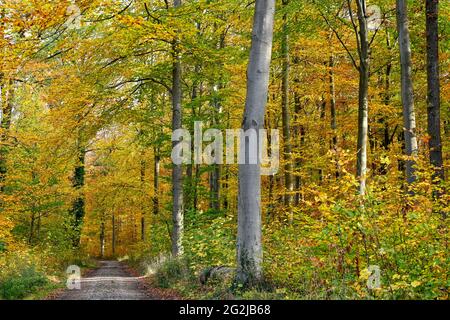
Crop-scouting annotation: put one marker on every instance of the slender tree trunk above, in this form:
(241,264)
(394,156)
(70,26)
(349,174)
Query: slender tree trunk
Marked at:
(113,238)
(102,239)
(191,183)
(386,100)
(31,233)
(363,104)
(409,118)
(225,187)
(156,161)
(288,181)
(38,226)
(143,164)
(215,187)
(217,167)
(270,207)
(334,139)
(5,124)
(177,171)
(299,133)
(78,206)
(249,246)
(434,125)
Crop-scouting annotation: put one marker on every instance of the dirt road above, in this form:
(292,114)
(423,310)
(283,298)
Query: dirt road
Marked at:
(111,281)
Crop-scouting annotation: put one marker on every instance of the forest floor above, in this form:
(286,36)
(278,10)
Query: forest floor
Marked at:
(112,280)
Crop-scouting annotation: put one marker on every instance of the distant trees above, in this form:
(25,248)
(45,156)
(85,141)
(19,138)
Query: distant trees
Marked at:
(360,24)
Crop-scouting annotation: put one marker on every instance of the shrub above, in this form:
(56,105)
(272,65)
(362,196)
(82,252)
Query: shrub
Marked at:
(171,271)
(2,246)
(18,285)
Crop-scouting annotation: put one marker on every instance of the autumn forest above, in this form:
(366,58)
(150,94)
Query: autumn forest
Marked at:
(99,98)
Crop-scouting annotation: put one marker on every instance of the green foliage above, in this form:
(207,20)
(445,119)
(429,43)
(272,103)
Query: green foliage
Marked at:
(21,283)
(171,271)
(210,239)
(2,246)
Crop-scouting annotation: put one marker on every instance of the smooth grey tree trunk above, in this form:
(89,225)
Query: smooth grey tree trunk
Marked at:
(177,171)
(409,118)
(249,246)
(434,119)
(156,165)
(288,168)
(102,239)
(363,100)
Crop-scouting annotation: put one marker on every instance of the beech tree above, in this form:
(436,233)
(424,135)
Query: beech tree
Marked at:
(249,246)
(409,117)
(177,170)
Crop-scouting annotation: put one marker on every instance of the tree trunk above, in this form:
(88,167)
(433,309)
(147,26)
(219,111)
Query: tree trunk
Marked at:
(177,171)
(78,206)
(143,192)
(191,183)
(31,233)
(363,104)
(5,124)
(299,133)
(102,239)
(434,125)
(156,180)
(113,238)
(386,99)
(225,187)
(288,183)
(409,118)
(217,167)
(334,139)
(249,246)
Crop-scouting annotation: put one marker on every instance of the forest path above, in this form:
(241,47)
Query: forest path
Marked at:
(111,281)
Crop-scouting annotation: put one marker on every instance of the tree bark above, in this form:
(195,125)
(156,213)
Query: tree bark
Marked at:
(288,181)
(177,171)
(363,100)
(434,125)
(409,118)
(156,161)
(249,246)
